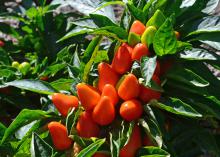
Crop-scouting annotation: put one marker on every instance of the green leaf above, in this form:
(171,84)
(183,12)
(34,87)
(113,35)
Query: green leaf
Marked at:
(207,24)
(7,73)
(39,148)
(107,3)
(86,22)
(37,125)
(120,137)
(62,84)
(152,152)
(24,117)
(153,5)
(198,54)
(52,70)
(190,10)
(165,41)
(72,119)
(2,130)
(136,69)
(137,13)
(84,142)
(76,32)
(215,45)
(210,6)
(89,6)
(188,77)
(101,56)
(91,149)
(112,32)
(90,55)
(148,66)
(181,46)
(4,58)
(176,106)
(33,85)
(101,21)
(152,129)
(90,49)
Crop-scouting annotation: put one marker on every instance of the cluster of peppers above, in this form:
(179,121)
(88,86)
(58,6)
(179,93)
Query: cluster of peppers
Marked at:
(117,91)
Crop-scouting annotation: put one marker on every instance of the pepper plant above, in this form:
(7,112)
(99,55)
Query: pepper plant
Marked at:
(143,86)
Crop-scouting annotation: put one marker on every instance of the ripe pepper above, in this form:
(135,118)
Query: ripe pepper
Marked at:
(86,127)
(128,87)
(104,111)
(122,62)
(131,110)
(64,102)
(59,136)
(111,92)
(88,96)
(128,47)
(139,51)
(130,149)
(137,27)
(147,94)
(106,76)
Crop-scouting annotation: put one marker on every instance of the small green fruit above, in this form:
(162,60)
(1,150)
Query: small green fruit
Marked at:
(133,39)
(148,36)
(157,19)
(15,64)
(24,67)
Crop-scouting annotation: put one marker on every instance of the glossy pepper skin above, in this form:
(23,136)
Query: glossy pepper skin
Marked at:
(131,110)
(88,96)
(128,47)
(122,62)
(147,94)
(104,112)
(139,51)
(64,102)
(59,136)
(86,127)
(130,149)
(129,87)
(106,76)
(137,27)
(111,92)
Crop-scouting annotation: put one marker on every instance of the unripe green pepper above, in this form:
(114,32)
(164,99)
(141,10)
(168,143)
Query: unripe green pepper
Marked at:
(24,67)
(15,64)
(148,35)
(157,19)
(133,39)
